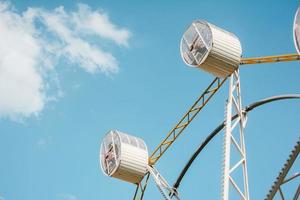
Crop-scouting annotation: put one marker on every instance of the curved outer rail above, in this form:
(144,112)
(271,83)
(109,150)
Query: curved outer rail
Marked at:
(281,178)
(221,126)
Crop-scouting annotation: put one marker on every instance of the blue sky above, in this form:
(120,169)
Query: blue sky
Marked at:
(51,128)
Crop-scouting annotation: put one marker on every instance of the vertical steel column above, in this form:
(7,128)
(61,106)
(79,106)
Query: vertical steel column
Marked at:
(234,104)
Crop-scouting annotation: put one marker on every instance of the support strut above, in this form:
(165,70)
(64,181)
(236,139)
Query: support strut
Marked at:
(231,139)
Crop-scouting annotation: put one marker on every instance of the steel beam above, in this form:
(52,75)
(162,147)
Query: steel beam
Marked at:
(270,59)
(234,105)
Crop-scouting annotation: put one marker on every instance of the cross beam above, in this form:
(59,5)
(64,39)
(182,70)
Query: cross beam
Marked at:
(270,59)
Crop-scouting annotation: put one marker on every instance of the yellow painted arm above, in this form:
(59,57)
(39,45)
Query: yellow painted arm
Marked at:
(270,59)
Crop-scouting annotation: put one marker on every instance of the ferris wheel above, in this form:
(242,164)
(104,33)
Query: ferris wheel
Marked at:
(219,52)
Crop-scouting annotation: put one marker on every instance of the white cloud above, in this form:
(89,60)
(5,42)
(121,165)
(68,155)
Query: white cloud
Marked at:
(88,22)
(33,42)
(21,85)
(70,42)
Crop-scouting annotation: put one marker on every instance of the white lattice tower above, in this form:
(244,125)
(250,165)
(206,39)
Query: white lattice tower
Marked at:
(234,144)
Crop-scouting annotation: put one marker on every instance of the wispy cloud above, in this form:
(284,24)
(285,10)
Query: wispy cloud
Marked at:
(88,22)
(32,43)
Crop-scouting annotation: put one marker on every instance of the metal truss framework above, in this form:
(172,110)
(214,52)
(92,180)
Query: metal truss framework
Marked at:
(141,187)
(208,93)
(195,109)
(232,139)
(282,180)
(186,119)
(165,189)
(219,128)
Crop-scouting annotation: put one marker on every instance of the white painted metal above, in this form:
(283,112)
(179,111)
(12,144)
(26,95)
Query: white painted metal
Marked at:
(165,189)
(211,49)
(123,156)
(296,30)
(228,181)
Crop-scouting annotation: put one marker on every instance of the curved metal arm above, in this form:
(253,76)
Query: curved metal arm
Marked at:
(221,126)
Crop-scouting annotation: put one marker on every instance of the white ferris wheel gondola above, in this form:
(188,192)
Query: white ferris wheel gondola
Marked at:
(211,49)
(296,30)
(123,156)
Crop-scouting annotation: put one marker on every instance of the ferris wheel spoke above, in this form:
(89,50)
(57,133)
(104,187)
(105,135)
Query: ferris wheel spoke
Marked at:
(141,188)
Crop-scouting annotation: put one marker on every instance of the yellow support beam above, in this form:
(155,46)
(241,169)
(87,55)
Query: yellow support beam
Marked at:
(270,59)
(186,119)
(214,86)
